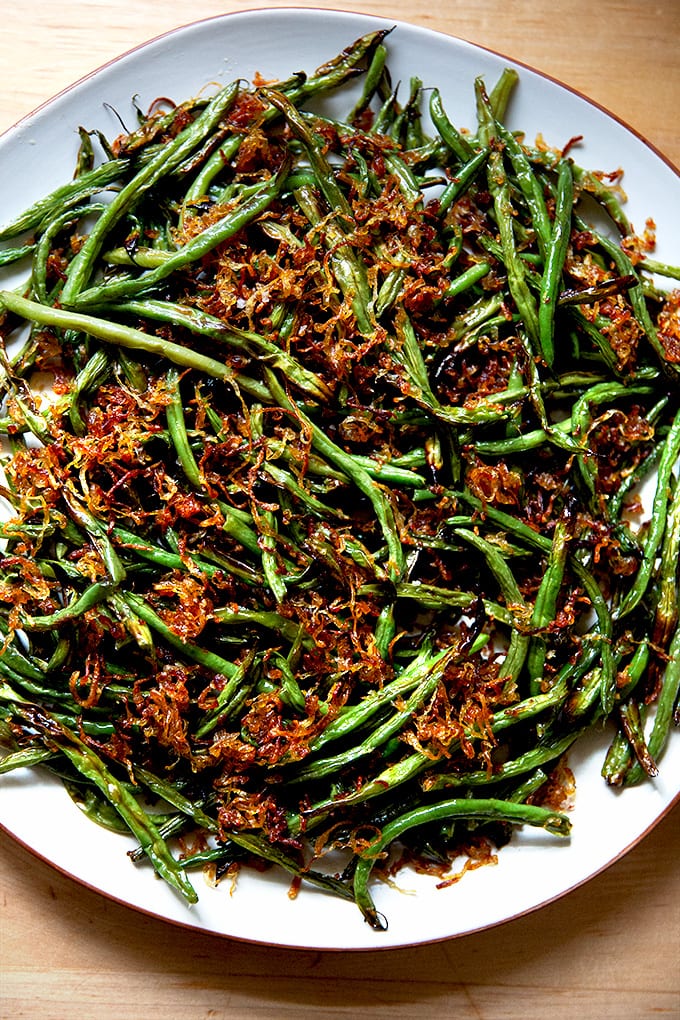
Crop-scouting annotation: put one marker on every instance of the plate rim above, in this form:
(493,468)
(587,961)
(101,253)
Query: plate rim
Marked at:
(378,947)
(159,39)
(154,39)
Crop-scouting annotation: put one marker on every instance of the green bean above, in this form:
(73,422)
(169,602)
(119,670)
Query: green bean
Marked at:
(204,657)
(665,705)
(597,394)
(467,279)
(540,755)
(635,477)
(264,850)
(668,594)
(98,536)
(435,597)
(519,642)
(387,113)
(407,180)
(517,814)
(359,476)
(274,621)
(95,372)
(422,665)
(233,221)
(93,768)
(601,635)
(525,789)
(532,191)
(343,67)
(457,142)
(522,443)
(545,605)
(321,168)
(626,268)
(499,188)
(285,480)
(178,431)
(381,734)
(290,691)
(556,249)
(49,231)
(660,268)
(15,254)
(500,94)
(239,526)
(462,180)
(24,758)
(631,721)
(141,258)
(414,136)
(372,80)
(298,89)
(600,340)
(18,661)
(162,164)
(70,194)
(401,772)
(349,272)
(654,536)
(617,761)
(92,596)
(115,333)
(232,696)
(592,185)
(208,325)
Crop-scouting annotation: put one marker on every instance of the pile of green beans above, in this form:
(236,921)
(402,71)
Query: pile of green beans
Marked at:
(328,537)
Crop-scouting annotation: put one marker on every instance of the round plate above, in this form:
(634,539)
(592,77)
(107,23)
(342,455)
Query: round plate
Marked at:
(38,154)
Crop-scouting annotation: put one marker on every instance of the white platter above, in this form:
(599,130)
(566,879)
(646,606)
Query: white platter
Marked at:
(37,155)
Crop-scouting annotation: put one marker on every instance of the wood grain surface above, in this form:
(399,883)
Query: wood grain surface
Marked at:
(610,949)
(621,54)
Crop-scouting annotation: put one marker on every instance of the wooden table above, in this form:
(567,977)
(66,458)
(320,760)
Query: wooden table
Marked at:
(610,949)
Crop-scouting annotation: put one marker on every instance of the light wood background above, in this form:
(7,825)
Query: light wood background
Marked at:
(620,53)
(609,950)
